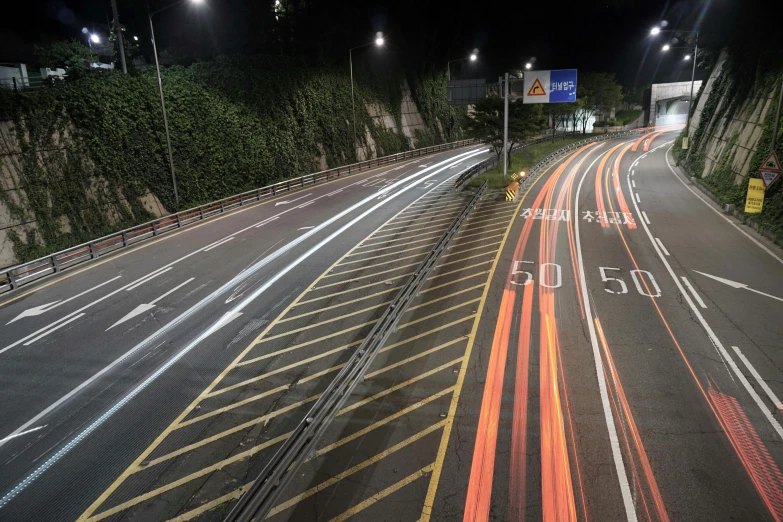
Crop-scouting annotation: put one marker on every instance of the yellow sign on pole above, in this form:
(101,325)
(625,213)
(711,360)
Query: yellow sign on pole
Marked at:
(755,198)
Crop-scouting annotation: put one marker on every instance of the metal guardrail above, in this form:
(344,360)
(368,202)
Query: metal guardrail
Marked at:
(487,164)
(262,494)
(23,273)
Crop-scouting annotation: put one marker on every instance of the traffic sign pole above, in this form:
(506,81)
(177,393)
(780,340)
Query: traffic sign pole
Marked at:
(505,128)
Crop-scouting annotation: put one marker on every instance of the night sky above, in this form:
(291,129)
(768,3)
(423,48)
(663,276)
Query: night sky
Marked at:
(611,35)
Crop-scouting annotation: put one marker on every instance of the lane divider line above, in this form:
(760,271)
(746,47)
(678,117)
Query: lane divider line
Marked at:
(762,383)
(695,294)
(663,248)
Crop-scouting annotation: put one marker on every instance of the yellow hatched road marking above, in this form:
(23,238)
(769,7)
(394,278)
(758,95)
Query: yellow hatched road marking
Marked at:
(355,469)
(413,358)
(387,247)
(328,336)
(427,209)
(378,264)
(436,314)
(429,221)
(358,508)
(365,277)
(338,305)
(429,501)
(165,433)
(333,294)
(394,253)
(252,451)
(427,303)
(290,349)
(436,233)
(441,227)
(470,224)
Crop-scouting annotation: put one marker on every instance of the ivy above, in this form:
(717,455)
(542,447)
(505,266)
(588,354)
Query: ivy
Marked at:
(90,150)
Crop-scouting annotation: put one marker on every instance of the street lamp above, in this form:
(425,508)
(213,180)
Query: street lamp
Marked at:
(472,57)
(666,47)
(528,66)
(94,38)
(379,41)
(686,57)
(150,14)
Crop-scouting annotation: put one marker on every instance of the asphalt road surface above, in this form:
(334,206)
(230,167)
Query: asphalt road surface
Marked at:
(607,347)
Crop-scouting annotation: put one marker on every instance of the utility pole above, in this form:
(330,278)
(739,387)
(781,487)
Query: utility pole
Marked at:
(163,106)
(118,32)
(505,128)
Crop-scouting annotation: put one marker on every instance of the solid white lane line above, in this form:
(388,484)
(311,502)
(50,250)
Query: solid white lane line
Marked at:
(614,441)
(637,198)
(172,290)
(38,310)
(662,247)
(23,433)
(734,225)
(72,319)
(223,242)
(143,280)
(292,200)
(305,228)
(762,383)
(646,219)
(48,463)
(710,333)
(693,292)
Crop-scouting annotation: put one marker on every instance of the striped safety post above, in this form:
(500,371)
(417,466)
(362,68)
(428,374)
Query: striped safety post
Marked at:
(511,191)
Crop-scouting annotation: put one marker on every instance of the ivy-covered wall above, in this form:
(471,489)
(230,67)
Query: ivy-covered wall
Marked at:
(731,132)
(87,155)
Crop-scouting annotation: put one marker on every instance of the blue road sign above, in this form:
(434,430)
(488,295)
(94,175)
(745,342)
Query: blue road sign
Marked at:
(562,86)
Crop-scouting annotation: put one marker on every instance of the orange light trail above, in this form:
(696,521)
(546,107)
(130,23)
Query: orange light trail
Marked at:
(757,478)
(477,501)
(599,193)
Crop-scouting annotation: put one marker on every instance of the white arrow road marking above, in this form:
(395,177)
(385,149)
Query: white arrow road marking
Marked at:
(95,424)
(38,310)
(23,433)
(147,306)
(292,200)
(735,284)
(223,321)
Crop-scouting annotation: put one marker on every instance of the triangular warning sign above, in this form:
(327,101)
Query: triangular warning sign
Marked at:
(771,163)
(537,89)
(769,177)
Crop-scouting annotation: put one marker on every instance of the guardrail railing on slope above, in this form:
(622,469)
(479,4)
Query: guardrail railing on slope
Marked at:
(23,273)
(487,164)
(263,493)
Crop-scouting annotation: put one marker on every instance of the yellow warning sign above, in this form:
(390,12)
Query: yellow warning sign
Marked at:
(754,201)
(537,89)
(514,176)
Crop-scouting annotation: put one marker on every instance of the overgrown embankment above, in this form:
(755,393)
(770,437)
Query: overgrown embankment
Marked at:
(87,155)
(731,132)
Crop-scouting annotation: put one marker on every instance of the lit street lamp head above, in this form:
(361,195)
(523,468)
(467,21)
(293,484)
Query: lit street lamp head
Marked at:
(528,65)
(665,47)
(94,38)
(686,57)
(655,30)
(473,57)
(379,40)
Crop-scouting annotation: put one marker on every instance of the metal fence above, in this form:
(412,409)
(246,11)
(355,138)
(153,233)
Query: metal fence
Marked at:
(20,274)
(263,493)
(487,164)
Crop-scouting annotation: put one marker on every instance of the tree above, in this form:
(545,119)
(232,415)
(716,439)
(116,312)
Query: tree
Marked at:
(486,122)
(597,92)
(69,55)
(560,113)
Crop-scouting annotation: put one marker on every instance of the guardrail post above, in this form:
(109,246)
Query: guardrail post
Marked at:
(11,279)
(241,200)
(303,180)
(93,254)
(154,231)
(258,195)
(124,238)
(222,206)
(289,184)
(201,212)
(273,190)
(179,221)
(55,264)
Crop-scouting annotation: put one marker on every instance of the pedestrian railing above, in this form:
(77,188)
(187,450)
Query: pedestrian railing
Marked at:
(23,273)
(262,494)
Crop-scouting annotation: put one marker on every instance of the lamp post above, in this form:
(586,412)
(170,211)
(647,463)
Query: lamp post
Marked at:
(656,31)
(472,57)
(150,14)
(378,42)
